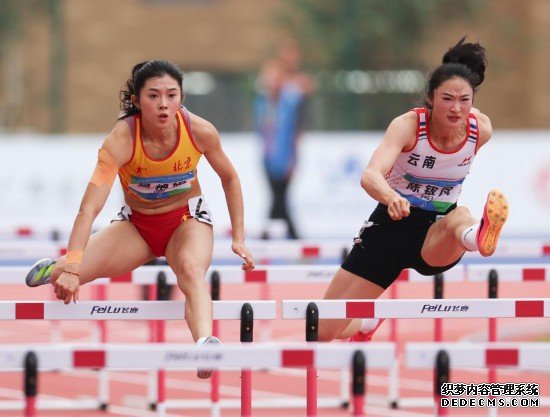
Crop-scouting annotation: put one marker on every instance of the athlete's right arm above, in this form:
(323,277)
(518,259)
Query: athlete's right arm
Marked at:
(115,152)
(399,135)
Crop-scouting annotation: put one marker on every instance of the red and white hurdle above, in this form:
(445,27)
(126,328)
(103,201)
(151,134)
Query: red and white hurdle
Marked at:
(510,272)
(465,355)
(122,310)
(420,309)
(520,355)
(125,310)
(181,357)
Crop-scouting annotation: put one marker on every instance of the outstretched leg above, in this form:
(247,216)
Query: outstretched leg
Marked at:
(114,250)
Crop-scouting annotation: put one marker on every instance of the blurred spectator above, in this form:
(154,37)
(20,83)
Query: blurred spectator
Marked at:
(283,89)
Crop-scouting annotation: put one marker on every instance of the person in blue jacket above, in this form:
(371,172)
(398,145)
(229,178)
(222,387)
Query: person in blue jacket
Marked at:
(283,90)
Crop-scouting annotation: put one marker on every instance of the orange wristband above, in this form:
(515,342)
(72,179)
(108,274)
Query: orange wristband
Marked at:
(72,273)
(74,257)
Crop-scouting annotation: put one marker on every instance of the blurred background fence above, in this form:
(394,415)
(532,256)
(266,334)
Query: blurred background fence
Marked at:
(63,62)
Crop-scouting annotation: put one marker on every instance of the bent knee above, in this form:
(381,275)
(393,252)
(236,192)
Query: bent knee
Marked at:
(461,212)
(190,275)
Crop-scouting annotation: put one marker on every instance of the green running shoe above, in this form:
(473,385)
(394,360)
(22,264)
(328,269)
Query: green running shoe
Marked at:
(40,272)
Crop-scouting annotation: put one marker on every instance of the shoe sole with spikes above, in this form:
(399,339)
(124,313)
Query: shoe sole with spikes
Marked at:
(495,214)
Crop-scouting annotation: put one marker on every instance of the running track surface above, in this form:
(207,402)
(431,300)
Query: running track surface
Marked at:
(128,390)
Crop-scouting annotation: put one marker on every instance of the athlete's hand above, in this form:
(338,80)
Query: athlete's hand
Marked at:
(240,249)
(66,287)
(398,207)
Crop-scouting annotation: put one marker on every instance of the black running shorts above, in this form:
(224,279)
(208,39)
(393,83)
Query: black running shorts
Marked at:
(387,246)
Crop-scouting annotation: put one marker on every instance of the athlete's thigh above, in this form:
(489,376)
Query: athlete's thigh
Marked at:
(114,250)
(348,286)
(190,246)
(440,245)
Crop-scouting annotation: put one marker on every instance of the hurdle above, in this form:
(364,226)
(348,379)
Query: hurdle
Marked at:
(490,273)
(272,274)
(118,310)
(511,272)
(124,310)
(528,356)
(420,308)
(518,355)
(495,273)
(141,357)
(416,309)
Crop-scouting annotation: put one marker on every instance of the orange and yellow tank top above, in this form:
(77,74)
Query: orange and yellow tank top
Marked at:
(149,179)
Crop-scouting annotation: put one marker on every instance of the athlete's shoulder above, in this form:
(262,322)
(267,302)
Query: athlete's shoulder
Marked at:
(204,132)
(201,125)
(485,127)
(405,122)
(120,143)
(481,117)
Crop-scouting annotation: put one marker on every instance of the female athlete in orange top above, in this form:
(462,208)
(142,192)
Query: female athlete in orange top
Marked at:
(154,148)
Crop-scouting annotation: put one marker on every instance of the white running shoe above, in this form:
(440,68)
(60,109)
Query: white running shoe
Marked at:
(210,340)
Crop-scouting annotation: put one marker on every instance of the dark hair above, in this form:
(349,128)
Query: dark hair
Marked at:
(464,60)
(140,74)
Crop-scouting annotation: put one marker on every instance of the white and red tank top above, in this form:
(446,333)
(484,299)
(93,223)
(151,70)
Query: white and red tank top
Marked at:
(429,178)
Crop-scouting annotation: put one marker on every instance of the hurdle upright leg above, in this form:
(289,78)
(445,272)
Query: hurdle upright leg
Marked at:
(393,389)
(441,376)
(492,334)
(30,383)
(103,375)
(215,380)
(152,388)
(358,369)
(247,335)
(312,335)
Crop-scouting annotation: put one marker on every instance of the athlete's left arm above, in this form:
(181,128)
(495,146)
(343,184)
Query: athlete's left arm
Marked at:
(485,128)
(208,141)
